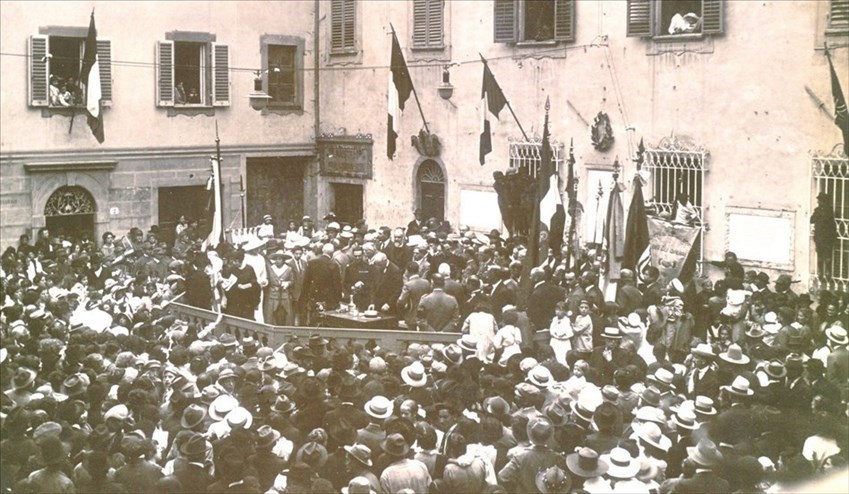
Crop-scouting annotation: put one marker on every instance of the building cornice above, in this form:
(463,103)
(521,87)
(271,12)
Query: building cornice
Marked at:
(89,155)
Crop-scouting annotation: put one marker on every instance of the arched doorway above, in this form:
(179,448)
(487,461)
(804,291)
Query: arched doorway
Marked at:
(69,212)
(430,190)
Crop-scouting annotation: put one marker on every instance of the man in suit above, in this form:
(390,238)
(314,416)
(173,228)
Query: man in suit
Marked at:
(356,277)
(702,379)
(519,475)
(277,304)
(322,284)
(241,287)
(501,293)
(420,258)
(544,297)
(411,294)
(298,266)
(97,274)
(439,310)
(397,251)
(652,291)
(628,296)
(385,283)
(415,226)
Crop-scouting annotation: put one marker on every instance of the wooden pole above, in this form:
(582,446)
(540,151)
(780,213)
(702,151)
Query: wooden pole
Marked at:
(509,106)
(415,94)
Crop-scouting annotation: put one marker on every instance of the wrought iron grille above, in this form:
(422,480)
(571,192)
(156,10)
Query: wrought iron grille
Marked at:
(678,165)
(525,155)
(69,200)
(830,175)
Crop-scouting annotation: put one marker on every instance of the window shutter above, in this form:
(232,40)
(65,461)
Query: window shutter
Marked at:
(342,23)
(220,75)
(435,22)
(420,24)
(165,73)
(504,29)
(712,16)
(39,73)
(838,17)
(104,61)
(639,18)
(428,21)
(564,20)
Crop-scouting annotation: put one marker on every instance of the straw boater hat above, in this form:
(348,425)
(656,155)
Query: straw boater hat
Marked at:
(414,375)
(540,376)
(378,407)
(650,432)
(685,419)
(735,355)
(740,387)
(468,343)
(612,333)
(622,466)
(837,335)
(705,453)
(221,406)
(585,463)
(775,369)
(703,406)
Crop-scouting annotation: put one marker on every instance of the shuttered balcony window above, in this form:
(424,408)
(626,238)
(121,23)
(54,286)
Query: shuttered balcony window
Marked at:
(54,69)
(674,19)
(343,25)
(838,17)
(192,71)
(528,21)
(428,24)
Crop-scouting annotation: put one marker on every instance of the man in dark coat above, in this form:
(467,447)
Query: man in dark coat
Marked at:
(322,281)
(97,274)
(356,277)
(397,251)
(628,296)
(825,233)
(502,294)
(198,286)
(439,310)
(544,297)
(385,283)
(411,294)
(241,286)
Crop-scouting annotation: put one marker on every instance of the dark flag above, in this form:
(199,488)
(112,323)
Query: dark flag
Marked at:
(636,226)
(551,211)
(614,231)
(90,75)
(492,101)
(400,87)
(841,115)
(214,205)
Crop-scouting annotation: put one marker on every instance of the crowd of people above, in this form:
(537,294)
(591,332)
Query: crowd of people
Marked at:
(740,385)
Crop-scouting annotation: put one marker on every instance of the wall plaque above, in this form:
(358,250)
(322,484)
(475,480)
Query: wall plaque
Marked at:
(346,156)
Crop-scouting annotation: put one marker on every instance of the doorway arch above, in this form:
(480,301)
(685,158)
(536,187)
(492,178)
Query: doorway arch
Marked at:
(70,212)
(430,189)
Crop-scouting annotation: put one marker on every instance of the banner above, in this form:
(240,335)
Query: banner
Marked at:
(670,244)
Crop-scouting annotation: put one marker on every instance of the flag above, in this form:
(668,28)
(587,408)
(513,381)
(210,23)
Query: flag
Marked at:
(400,87)
(636,226)
(215,206)
(614,230)
(572,194)
(492,101)
(670,246)
(90,76)
(551,211)
(841,115)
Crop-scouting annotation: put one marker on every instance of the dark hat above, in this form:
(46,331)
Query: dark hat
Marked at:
(556,414)
(586,464)
(266,436)
(313,454)
(651,396)
(496,406)
(74,385)
(606,415)
(775,369)
(815,365)
(133,446)
(540,430)
(283,404)
(453,354)
(349,388)
(360,452)
(193,416)
(553,480)
(395,445)
(196,444)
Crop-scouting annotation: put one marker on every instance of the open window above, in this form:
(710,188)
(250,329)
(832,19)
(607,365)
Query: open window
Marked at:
(674,19)
(533,21)
(54,70)
(192,71)
(283,71)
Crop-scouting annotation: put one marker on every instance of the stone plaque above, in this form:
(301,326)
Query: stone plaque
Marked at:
(346,156)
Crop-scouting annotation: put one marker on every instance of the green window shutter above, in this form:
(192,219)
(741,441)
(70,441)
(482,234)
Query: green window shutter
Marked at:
(564,20)
(220,75)
(504,28)
(640,18)
(39,71)
(104,61)
(165,73)
(712,22)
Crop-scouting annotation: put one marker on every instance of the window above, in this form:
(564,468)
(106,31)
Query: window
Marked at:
(283,69)
(55,64)
(192,71)
(831,177)
(525,156)
(428,24)
(343,23)
(668,18)
(518,21)
(677,168)
(838,17)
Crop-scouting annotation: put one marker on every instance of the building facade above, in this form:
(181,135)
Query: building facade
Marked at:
(733,104)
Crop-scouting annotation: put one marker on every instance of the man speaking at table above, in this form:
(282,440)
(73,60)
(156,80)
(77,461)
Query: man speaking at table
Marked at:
(322,283)
(386,282)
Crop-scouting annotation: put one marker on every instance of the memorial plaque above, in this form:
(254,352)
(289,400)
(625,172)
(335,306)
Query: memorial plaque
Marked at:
(346,156)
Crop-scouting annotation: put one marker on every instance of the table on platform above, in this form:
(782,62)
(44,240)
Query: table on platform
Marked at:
(335,318)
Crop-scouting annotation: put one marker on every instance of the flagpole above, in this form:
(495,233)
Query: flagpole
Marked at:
(510,107)
(415,94)
(573,202)
(220,182)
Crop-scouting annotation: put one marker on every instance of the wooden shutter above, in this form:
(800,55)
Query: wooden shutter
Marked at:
(104,61)
(165,73)
(420,23)
(435,22)
(712,16)
(39,71)
(342,24)
(220,75)
(504,29)
(640,18)
(564,20)
(838,15)
(428,20)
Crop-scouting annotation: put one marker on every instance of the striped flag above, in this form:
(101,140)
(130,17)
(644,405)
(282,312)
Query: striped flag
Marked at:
(636,226)
(841,115)
(551,211)
(215,207)
(400,87)
(90,76)
(492,101)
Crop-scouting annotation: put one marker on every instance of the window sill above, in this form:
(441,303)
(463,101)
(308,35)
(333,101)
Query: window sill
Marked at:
(344,53)
(427,48)
(671,38)
(535,44)
(191,110)
(283,109)
(68,111)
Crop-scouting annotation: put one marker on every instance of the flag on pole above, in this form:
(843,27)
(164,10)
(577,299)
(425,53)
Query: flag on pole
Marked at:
(841,114)
(636,226)
(492,101)
(90,76)
(614,232)
(551,211)
(400,87)
(215,206)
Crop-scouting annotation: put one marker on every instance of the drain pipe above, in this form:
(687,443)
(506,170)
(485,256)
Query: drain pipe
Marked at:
(315,75)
